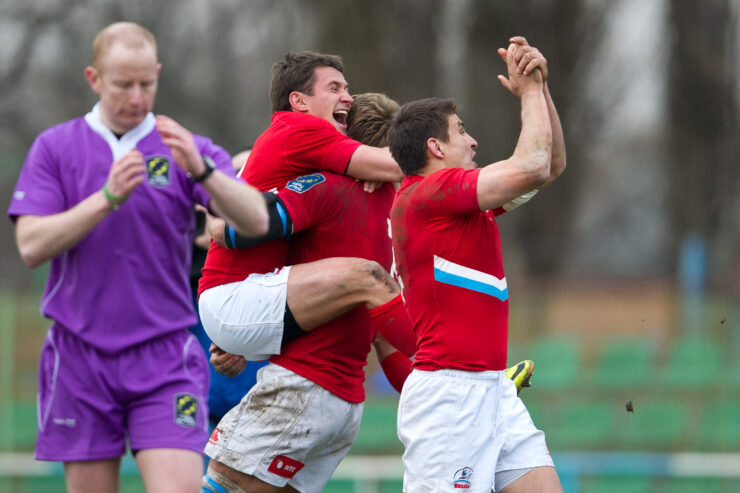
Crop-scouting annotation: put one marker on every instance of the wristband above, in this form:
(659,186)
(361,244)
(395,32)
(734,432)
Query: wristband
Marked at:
(114,200)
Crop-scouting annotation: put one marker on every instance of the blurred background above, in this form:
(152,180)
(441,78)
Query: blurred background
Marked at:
(624,275)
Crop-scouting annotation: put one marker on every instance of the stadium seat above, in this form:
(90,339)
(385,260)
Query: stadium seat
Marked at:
(693,364)
(615,484)
(557,362)
(653,426)
(378,428)
(687,485)
(720,426)
(581,424)
(624,363)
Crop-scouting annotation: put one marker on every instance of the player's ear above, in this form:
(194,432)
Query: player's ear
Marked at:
(434,149)
(298,102)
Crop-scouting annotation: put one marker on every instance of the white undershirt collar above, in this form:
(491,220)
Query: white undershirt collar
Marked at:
(128,141)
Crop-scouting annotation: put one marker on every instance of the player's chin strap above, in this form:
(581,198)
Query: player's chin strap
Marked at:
(214,482)
(521,200)
(281,225)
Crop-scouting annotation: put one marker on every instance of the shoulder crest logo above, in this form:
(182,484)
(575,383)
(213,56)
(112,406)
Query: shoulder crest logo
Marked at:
(158,171)
(303,183)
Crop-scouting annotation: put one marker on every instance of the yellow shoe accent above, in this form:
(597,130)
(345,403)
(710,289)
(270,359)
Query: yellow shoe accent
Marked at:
(520,373)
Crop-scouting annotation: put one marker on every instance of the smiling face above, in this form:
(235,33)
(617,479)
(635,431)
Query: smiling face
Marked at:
(329,99)
(459,150)
(126,80)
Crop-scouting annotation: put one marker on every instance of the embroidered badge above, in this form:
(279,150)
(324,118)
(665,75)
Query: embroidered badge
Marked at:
(462,478)
(186,410)
(158,171)
(303,183)
(284,466)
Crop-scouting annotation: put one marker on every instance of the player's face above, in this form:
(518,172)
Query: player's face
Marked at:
(126,81)
(459,150)
(330,99)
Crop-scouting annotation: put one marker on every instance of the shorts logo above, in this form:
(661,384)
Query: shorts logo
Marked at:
(284,466)
(186,410)
(158,171)
(214,436)
(303,183)
(462,478)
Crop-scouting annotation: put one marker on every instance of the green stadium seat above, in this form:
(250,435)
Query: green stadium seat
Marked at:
(624,363)
(581,424)
(720,427)
(653,426)
(378,428)
(557,361)
(693,364)
(687,485)
(615,484)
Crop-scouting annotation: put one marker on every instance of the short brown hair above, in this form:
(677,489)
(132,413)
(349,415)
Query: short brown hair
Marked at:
(131,34)
(413,124)
(369,118)
(296,73)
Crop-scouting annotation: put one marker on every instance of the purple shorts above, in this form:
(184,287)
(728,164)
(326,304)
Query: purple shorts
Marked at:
(89,402)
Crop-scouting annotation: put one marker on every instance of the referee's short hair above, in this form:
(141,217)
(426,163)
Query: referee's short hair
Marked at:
(413,124)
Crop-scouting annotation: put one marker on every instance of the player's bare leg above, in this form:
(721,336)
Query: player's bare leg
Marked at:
(540,479)
(244,482)
(168,470)
(322,290)
(92,476)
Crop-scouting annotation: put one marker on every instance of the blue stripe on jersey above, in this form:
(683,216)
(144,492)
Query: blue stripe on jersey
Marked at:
(453,274)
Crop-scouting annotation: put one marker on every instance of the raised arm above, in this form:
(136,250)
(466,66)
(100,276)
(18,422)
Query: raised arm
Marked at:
(529,58)
(40,238)
(242,205)
(374,164)
(529,166)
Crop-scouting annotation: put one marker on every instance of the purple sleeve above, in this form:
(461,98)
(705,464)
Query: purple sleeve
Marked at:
(223,164)
(39,189)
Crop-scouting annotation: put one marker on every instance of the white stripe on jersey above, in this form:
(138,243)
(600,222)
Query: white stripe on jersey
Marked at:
(448,272)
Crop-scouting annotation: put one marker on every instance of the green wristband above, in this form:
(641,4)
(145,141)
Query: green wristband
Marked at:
(114,200)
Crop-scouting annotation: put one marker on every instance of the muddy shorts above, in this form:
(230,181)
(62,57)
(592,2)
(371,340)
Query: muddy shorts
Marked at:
(286,430)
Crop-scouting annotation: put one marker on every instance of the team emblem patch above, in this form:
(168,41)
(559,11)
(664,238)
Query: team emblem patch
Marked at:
(303,183)
(462,478)
(186,410)
(284,466)
(158,171)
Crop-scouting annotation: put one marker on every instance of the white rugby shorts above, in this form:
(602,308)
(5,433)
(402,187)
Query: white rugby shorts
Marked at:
(246,317)
(463,430)
(286,430)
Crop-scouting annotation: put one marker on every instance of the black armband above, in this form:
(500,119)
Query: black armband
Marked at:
(281,225)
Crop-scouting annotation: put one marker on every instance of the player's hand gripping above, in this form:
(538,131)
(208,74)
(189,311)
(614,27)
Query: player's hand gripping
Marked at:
(521,62)
(126,173)
(226,363)
(181,144)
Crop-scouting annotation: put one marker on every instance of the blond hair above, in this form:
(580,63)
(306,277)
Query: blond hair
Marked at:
(132,35)
(369,118)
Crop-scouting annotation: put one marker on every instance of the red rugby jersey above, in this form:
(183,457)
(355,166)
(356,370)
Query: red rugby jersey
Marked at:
(294,144)
(340,220)
(448,254)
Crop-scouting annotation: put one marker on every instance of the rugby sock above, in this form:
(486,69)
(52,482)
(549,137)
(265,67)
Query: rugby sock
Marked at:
(214,482)
(394,324)
(397,368)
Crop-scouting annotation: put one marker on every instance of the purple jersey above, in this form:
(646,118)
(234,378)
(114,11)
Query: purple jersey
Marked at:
(127,281)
